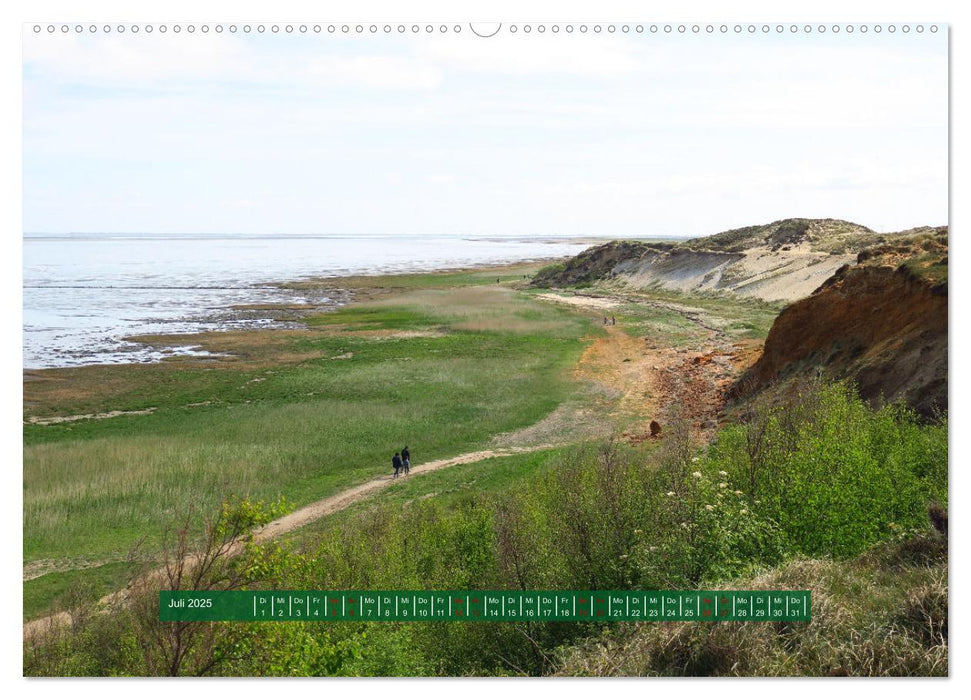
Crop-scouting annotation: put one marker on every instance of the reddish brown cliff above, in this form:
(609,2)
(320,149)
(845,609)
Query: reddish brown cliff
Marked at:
(882,322)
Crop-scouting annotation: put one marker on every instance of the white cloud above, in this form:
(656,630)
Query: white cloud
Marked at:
(557,133)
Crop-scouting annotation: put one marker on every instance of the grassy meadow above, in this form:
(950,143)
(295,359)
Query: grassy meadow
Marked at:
(442,368)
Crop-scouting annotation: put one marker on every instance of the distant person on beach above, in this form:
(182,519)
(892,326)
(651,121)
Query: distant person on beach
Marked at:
(406,459)
(396,463)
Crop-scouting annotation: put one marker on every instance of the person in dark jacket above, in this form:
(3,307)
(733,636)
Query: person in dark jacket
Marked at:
(396,463)
(406,459)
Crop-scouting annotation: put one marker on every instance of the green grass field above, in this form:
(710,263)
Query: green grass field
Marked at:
(442,369)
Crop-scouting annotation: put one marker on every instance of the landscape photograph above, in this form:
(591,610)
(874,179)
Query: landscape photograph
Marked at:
(485,309)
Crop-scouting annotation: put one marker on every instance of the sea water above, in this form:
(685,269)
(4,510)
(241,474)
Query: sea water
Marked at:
(84,294)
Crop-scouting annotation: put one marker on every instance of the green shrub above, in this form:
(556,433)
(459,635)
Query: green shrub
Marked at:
(835,474)
(706,530)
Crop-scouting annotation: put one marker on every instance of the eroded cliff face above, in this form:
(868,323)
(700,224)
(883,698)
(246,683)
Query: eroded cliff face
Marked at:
(782,261)
(598,263)
(881,322)
(781,275)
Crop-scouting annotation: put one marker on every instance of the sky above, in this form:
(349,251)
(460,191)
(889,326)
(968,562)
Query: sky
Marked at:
(518,134)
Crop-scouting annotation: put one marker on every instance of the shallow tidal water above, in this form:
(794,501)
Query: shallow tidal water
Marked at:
(85,293)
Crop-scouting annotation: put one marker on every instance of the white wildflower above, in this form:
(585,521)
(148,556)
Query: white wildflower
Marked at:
(696,475)
(737,492)
(652,549)
(684,526)
(723,485)
(709,507)
(671,493)
(722,473)
(695,459)
(743,511)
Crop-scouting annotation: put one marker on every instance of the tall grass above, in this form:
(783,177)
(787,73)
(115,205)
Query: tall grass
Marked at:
(611,516)
(306,430)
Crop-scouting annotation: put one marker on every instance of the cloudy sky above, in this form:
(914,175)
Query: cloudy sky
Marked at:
(619,135)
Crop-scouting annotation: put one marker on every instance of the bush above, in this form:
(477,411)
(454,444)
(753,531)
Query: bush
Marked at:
(706,530)
(835,474)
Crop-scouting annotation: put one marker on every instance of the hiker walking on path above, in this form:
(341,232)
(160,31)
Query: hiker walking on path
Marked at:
(613,320)
(406,459)
(396,463)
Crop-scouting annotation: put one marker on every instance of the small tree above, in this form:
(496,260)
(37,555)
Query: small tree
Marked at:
(190,648)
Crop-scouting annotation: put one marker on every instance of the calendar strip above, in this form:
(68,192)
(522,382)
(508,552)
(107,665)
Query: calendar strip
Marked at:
(488,606)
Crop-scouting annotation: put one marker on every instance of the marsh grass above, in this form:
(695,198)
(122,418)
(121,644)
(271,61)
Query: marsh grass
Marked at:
(303,430)
(385,284)
(662,326)
(481,308)
(676,319)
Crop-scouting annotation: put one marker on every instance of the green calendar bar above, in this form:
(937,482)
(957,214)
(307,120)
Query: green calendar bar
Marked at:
(489,606)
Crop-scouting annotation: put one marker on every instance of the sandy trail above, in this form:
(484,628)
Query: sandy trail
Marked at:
(34,420)
(342,500)
(628,369)
(581,300)
(644,381)
(299,518)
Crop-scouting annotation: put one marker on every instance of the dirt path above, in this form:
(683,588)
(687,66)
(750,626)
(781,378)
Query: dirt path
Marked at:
(342,500)
(304,516)
(34,420)
(628,371)
(642,381)
(583,301)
